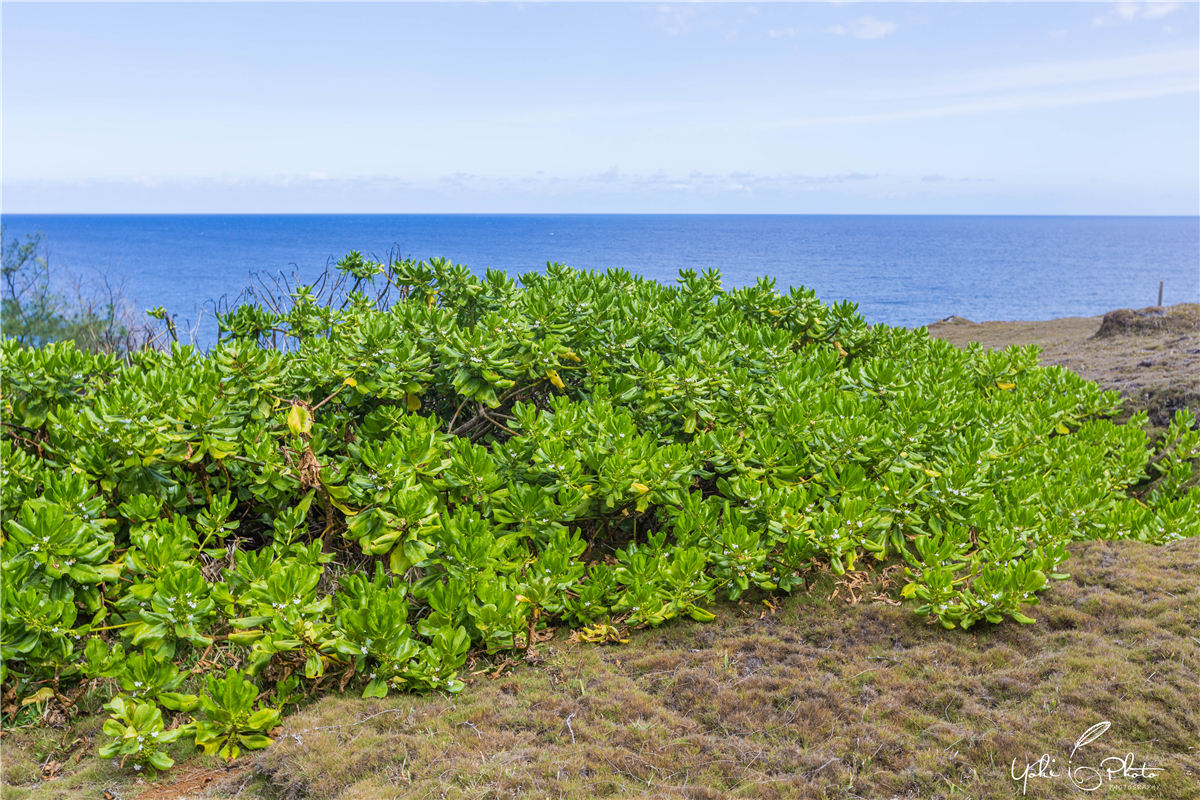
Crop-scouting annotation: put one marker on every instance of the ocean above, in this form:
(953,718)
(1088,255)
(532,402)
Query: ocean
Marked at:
(900,270)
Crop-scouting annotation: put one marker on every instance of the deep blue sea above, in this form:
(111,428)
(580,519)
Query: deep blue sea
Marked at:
(900,270)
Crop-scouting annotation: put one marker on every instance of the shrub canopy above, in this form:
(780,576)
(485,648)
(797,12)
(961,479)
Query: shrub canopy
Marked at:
(371,489)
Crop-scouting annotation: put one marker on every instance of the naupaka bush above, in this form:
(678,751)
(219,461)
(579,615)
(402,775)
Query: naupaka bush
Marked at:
(365,487)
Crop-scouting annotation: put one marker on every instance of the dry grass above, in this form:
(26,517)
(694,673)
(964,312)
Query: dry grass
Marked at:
(1151,356)
(824,698)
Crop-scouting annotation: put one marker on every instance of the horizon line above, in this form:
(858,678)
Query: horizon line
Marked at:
(550,214)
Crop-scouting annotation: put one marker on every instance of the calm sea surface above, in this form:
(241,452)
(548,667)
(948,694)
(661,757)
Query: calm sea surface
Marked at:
(900,270)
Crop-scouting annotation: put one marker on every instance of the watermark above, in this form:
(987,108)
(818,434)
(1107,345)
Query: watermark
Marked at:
(1082,777)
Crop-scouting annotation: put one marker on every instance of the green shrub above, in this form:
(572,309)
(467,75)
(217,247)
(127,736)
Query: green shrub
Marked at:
(37,310)
(365,490)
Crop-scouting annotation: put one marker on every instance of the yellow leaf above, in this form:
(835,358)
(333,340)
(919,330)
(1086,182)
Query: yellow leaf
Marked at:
(350,382)
(1005,386)
(40,696)
(299,420)
(553,376)
(1063,429)
(641,487)
(522,598)
(933,473)
(414,402)
(599,633)
(909,591)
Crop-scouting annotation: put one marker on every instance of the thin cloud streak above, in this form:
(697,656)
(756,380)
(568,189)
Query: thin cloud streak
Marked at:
(1175,65)
(1022,103)
(1172,62)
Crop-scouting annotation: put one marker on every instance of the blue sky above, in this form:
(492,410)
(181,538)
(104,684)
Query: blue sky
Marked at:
(1018,108)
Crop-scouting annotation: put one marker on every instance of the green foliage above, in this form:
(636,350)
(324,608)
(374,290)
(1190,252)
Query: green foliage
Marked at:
(138,734)
(232,721)
(365,492)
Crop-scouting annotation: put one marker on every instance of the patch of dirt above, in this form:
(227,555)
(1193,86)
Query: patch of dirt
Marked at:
(1151,356)
(198,782)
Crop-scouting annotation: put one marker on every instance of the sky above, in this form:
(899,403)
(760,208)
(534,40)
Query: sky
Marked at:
(848,108)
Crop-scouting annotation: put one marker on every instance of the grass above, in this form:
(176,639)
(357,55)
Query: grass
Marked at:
(832,694)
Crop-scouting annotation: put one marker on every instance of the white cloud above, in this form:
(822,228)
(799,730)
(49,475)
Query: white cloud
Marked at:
(607,176)
(781,33)
(1125,13)
(744,178)
(675,20)
(866,27)
(1156,10)
(459,178)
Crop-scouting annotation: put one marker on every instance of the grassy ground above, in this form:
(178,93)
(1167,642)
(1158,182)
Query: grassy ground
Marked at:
(839,693)
(832,695)
(1152,356)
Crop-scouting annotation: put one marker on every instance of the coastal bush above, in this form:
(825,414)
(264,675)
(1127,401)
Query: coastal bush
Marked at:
(38,307)
(369,488)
